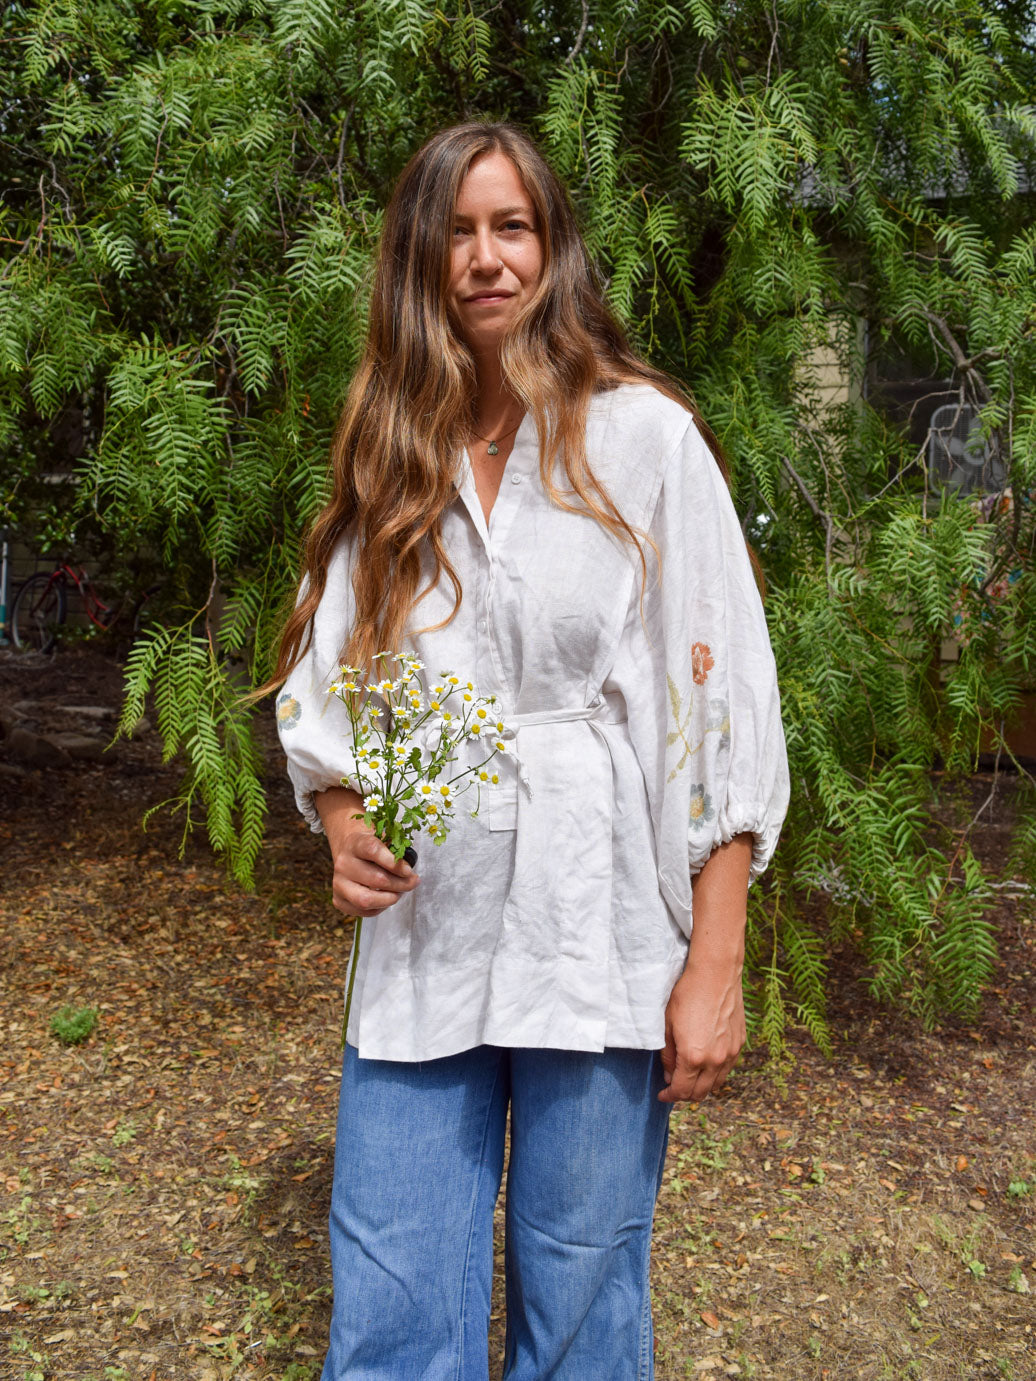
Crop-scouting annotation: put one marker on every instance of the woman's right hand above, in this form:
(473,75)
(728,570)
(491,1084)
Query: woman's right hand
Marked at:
(367,879)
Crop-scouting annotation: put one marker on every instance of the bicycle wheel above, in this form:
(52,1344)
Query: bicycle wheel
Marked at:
(38,611)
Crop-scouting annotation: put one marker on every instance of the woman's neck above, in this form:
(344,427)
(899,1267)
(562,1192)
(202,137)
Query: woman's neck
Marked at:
(496,407)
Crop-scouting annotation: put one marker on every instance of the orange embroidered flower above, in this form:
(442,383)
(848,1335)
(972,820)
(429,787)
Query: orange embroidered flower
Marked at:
(701,663)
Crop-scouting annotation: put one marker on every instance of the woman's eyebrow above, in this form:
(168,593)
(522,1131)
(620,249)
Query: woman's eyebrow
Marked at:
(504,211)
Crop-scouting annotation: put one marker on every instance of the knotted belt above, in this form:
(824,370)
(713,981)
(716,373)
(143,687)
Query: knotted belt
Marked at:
(600,712)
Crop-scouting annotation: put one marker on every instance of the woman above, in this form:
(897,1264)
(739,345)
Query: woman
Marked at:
(520,499)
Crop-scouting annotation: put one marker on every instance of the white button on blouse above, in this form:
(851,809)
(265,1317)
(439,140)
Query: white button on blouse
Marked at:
(646,730)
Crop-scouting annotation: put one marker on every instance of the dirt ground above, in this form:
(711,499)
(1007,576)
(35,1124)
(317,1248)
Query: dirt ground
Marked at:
(166,1182)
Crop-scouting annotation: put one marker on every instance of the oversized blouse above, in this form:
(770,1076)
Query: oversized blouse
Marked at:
(644,729)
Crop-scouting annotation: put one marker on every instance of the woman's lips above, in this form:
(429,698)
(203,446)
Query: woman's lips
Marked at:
(489,297)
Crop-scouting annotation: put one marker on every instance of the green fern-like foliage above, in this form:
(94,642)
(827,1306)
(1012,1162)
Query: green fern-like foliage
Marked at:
(191,194)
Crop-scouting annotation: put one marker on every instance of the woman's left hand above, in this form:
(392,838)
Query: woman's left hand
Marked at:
(704,1031)
(705,1015)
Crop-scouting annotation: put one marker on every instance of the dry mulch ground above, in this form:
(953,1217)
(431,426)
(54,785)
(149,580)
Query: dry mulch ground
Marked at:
(166,1181)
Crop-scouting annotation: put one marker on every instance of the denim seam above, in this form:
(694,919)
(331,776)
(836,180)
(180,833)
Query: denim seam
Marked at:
(471,1225)
(644,1369)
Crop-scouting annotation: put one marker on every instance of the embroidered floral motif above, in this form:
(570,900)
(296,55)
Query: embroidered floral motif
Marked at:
(719,719)
(702,812)
(701,663)
(289,711)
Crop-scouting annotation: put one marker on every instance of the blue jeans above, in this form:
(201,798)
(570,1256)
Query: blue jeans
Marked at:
(418,1162)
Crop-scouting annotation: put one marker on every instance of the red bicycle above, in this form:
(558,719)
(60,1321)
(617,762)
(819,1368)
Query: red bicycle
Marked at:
(40,606)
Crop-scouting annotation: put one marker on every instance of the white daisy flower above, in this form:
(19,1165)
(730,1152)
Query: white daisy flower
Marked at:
(373,802)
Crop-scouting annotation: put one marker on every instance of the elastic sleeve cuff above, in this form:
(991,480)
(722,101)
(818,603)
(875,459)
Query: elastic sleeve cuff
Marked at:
(731,821)
(306,785)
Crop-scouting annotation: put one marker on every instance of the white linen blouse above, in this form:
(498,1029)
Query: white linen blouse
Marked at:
(646,730)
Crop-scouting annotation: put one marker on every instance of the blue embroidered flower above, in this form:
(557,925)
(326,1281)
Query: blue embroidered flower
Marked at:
(701,807)
(289,711)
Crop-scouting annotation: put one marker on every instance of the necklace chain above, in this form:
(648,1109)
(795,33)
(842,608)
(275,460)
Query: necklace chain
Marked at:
(493,448)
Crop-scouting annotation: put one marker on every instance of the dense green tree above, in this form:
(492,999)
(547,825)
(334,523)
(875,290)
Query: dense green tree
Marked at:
(191,190)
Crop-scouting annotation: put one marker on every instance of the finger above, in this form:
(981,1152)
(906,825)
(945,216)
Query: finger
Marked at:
(668,1055)
(373,850)
(690,1083)
(724,1073)
(349,908)
(372,876)
(371,900)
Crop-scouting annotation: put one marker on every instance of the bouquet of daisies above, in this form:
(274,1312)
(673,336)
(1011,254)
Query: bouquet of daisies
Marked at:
(406,742)
(406,739)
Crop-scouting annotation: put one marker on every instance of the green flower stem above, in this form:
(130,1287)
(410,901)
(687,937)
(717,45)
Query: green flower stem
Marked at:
(469,770)
(352,977)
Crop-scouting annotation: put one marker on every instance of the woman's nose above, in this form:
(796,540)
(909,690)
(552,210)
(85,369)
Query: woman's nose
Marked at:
(484,258)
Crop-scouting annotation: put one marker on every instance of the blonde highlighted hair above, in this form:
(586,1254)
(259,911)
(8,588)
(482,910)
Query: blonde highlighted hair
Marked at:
(412,402)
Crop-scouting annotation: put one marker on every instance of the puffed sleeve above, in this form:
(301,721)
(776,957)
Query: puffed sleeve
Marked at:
(313,725)
(724,765)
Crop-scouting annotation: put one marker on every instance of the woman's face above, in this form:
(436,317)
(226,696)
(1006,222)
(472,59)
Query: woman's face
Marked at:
(497,252)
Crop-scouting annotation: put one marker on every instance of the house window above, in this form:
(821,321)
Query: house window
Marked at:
(905,386)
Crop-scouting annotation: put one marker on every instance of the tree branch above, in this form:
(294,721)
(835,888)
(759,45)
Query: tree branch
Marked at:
(579,36)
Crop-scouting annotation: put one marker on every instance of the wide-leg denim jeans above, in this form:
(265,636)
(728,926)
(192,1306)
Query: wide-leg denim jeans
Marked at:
(418,1164)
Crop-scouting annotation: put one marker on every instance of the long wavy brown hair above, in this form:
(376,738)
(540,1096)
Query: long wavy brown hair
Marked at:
(412,402)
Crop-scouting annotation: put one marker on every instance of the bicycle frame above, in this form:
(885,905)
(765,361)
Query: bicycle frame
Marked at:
(99,613)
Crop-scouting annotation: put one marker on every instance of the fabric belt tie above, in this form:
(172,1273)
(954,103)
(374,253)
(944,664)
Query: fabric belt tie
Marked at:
(600,712)
(567,776)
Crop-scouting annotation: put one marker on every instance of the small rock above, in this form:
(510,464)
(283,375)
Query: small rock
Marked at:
(91,711)
(82,747)
(12,772)
(142,727)
(25,746)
